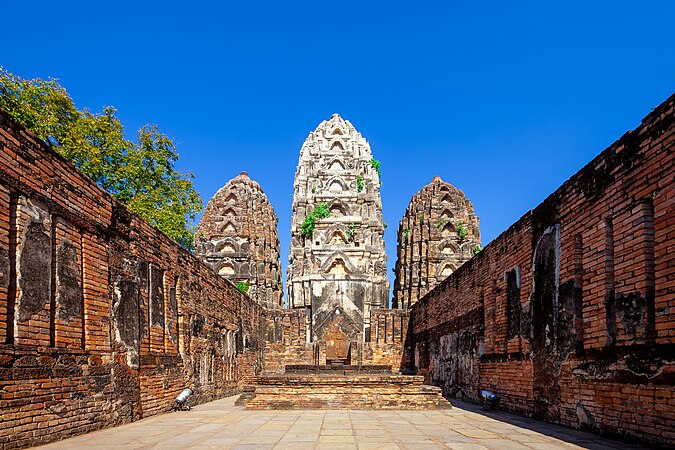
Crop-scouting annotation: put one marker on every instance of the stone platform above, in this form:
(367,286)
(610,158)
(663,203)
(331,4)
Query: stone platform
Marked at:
(350,391)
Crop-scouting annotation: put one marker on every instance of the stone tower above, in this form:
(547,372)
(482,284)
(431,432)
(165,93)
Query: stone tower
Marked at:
(438,233)
(338,272)
(237,236)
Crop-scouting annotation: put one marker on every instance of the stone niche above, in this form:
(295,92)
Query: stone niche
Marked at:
(338,272)
(238,237)
(438,233)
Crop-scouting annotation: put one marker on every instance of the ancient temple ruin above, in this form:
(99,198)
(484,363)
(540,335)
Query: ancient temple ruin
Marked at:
(438,233)
(237,236)
(337,267)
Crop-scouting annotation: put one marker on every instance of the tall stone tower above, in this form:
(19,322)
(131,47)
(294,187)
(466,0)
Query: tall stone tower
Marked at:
(238,237)
(438,233)
(338,271)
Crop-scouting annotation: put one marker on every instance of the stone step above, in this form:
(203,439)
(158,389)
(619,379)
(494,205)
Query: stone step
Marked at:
(343,392)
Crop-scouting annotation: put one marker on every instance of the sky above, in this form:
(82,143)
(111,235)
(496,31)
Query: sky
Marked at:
(504,100)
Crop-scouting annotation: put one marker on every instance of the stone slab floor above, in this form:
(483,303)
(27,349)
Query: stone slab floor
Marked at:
(221,424)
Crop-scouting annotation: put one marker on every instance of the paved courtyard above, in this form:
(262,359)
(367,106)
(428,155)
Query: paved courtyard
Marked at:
(221,424)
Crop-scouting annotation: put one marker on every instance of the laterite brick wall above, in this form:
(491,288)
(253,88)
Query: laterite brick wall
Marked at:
(569,315)
(103,320)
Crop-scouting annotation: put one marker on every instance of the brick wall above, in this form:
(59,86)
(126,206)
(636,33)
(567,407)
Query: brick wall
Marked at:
(569,315)
(286,340)
(103,319)
(287,343)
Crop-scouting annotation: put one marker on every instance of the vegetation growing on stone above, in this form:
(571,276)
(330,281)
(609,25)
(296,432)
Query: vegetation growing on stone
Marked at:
(375,164)
(243,286)
(462,230)
(139,174)
(441,222)
(476,250)
(351,231)
(359,184)
(309,224)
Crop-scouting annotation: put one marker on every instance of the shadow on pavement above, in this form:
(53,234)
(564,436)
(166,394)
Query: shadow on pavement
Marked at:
(582,439)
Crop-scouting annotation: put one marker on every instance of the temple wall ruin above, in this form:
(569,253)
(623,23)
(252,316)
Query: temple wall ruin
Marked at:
(103,319)
(287,343)
(569,315)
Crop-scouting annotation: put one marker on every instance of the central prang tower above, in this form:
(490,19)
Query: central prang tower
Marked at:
(338,263)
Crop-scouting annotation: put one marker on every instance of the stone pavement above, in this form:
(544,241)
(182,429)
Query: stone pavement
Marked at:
(221,424)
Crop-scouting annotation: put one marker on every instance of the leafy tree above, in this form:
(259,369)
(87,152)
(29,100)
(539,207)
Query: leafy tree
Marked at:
(139,174)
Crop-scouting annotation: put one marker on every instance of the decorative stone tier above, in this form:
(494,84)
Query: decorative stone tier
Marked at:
(343,392)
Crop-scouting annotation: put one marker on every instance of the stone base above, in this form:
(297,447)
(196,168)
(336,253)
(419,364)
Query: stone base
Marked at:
(343,392)
(337,369)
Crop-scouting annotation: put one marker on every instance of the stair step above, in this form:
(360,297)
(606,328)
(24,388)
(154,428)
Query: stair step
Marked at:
(319,391)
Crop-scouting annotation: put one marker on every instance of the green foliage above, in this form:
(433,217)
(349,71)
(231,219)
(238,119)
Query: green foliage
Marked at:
(441,222)
(309,224)
(385,225)
(321,211)
(313,190)
(141,174)
(421,217)
(406,232)
(359,184)
(276,218)
(42,106)
(476,250)
(351,231)
(375,164)
(243,286)
(462,230)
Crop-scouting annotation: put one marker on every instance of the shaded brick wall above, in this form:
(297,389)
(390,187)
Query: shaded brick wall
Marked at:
(286,340)
(569,315)
(103,320)
(286,336)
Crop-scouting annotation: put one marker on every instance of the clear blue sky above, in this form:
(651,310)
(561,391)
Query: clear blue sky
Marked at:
(505,100)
